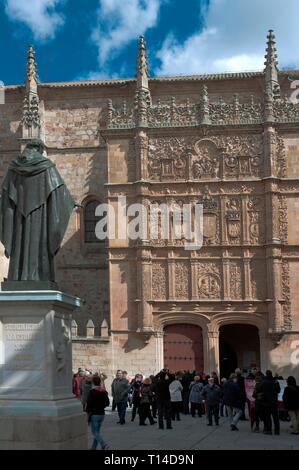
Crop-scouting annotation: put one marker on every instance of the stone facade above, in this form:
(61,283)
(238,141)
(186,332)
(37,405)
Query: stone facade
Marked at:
(229,141)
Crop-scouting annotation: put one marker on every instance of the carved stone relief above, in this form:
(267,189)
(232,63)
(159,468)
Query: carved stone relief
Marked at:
(235,280)
(209,281)
(170,157)
(257,277)
(167,159)
(255,210)
(205,162)
(182,280)
(211,228)
(283,219)
(233,220)
(159,280)
(286,294)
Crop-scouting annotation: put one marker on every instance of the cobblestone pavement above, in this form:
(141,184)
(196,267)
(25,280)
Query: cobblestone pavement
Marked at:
(192,434)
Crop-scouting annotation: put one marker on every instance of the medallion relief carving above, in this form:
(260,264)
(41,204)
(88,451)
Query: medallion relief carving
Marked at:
(209,281)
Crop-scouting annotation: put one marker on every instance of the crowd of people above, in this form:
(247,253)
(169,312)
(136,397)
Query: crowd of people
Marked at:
(164,397)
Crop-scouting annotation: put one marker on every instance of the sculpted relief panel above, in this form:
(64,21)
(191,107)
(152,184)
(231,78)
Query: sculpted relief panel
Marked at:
(168,158)
(181,158)
(211,222)
(181,280)
(256,218)
(159,280)
(206,160)
(233,220)
(258,276)
(209,281)
(243,157)
(235,280)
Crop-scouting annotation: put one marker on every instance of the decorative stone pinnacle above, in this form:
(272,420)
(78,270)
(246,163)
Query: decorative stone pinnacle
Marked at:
(205,106)
(142,96)
(142,65)
(272,87)
(31,70)
(271,52)
(31,119)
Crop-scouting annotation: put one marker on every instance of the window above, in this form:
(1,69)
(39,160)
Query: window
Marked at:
(90,221)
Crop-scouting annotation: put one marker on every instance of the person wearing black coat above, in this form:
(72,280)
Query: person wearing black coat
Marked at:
(270,389)
(154,398)
(233,400)
(97,401)
(135,390)
(162,383)
(186,381)
(291,402)
(241,383)
(146,396)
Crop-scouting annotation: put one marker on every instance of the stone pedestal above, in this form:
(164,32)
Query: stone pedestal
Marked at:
(37,407)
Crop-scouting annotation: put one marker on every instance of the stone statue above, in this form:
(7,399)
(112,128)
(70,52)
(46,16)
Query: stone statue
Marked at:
(35,209)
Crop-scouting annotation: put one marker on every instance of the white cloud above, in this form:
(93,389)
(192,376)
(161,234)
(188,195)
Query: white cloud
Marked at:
(39,15)
(120,22)
(234,38)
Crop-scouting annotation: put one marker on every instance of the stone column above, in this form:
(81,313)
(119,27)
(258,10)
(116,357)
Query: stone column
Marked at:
(269,150)
(171,277)
(247,276)
(141,151)
(38,409)
(211,350)
(274,263)
(225,274)
(159,335)
(194,289)
(223,221)
(245,229)
(145,320)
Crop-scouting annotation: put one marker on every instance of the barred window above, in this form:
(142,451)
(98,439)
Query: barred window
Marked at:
(90,221)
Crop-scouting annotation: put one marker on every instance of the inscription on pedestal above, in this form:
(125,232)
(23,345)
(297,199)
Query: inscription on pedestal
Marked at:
(23,346)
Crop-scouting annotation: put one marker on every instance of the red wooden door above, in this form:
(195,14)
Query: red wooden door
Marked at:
(183,348)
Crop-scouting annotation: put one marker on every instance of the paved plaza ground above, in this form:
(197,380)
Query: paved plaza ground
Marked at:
(192,434)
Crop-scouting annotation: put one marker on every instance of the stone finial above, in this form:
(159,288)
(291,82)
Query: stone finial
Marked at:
(271,52)
(143,96)
(90,329)
(31,119)
(142,66)
(271,66)
(205,106)
(74,328)
(31,71)
(104,329)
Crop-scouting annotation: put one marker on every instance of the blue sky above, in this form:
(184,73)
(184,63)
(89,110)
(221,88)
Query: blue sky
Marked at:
(95,39)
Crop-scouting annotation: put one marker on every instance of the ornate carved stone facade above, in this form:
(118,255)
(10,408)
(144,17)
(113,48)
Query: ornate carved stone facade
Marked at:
(228,142)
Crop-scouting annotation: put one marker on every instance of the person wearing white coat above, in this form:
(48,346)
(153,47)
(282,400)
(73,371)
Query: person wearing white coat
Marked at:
(175,390)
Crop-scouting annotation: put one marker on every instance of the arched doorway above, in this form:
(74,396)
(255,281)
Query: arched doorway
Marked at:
(239,346)
(183,347)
